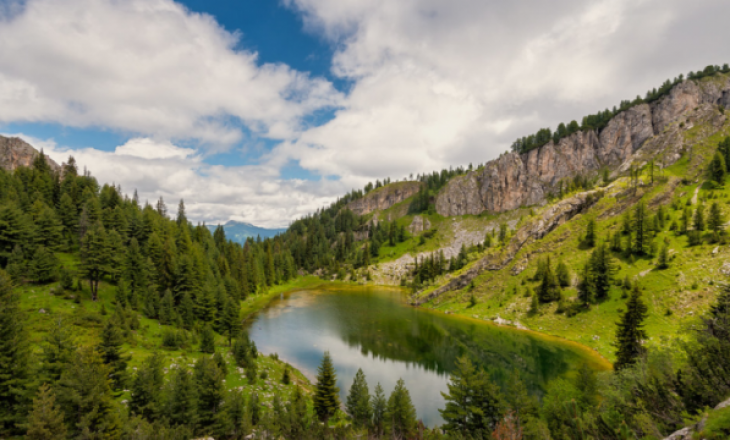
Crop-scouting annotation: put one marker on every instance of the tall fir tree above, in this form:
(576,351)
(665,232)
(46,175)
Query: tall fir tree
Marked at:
(630,333)
(207,339)
(326,400)
(718,168)
(94,257)
(58,349)
(45,422)
(110,348)
(400,418)
(640,229)
(358,400)
(146,397)
(590,238)
(379,406)
(549,288)
(716,221)
(182,404)
(210,392)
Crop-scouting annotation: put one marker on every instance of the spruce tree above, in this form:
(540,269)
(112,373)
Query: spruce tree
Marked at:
(400,417)
(146,398)
(44,265)
(640,230)
(590,239)
(207,340)
(84,392)
(231,320)
(563,274)
(685,220)
(358,400)
(378,409)
(699,219)
(718,168)
(111,352)
(630,333)
(602,271)
(58,349)
(210,392)
(663,260)
(326,400)
(586,290)
(716,221)
(182,404)
(45,422)
(94,257)
(14,358)
(549,289)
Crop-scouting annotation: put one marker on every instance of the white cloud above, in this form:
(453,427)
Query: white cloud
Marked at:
(440,83)
(255,194)
(149,67)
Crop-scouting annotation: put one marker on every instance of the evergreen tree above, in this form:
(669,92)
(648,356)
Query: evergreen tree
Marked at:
(358,400)
(602,271)
(563,274)
(549,289)
(630,333)
(187,311)
(718,168)
(586,290)
(14,358)
(207,340)
(326,400)
(400,417)
(231,320)
(85,394)
(474,404)
(716,221)
(44,265)
(640,230)
(45,422)
(49,229)
(182,404)
(146,390)
(663,260)
(699,220)
(94,257)
(57,351)
(378,409)
(685,220)
(210,392)
(111,352)
(590,239)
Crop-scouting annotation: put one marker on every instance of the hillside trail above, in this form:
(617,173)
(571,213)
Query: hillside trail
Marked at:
(697,192)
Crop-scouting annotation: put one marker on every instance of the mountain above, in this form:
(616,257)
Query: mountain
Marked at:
(15,152)
(240,231)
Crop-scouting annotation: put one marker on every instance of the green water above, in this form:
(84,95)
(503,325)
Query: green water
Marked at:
(376,330)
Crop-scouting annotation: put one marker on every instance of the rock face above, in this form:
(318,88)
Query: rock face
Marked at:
(419,224)
(384,197)
(536,229)
(15,152)
(514,180)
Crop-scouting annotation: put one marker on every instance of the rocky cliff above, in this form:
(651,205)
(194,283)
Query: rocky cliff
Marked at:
(15,152)
(384,197)
(515,180)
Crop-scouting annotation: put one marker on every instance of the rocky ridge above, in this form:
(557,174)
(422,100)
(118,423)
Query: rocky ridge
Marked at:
(384,197)
(514,180)
(15,152)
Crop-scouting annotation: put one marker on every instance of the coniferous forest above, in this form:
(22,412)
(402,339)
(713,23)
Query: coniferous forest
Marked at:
(93,244)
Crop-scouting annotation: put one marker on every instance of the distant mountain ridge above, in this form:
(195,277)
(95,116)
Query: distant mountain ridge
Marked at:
(240,231)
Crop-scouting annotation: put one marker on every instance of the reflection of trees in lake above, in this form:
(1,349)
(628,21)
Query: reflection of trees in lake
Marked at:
(385,329)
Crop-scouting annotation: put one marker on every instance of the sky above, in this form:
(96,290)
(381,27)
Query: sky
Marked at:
(265,110)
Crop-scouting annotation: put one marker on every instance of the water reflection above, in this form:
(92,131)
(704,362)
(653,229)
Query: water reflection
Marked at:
(375,330)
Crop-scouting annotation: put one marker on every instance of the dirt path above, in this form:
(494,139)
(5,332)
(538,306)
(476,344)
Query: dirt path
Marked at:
(697,191)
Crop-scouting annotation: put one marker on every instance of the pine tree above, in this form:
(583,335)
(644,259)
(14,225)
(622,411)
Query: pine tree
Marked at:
(563,274)
(699,220)
(718,168)
(146,398)
(602,271)
(58,349)
(182,404)
(85,395)
(630,333)
(231,320)
(94,257)
(400,417)
(663,260)
(187,311)
(166,311)
(210,391)
(358,400)
(549,289)
(716,221)
(326,400)
(474,403)
(44,265)
(590,239)
(14,358)
(685,220)
(45,422)
(207,340)
(586,290)
(378,409)
(640,229)
(49,229)
(111,352)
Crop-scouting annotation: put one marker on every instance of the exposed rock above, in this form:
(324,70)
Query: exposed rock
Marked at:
(15,152)
(549,219)
(419,224)
(514,180)
(682,434)
(725,269)
(384,197)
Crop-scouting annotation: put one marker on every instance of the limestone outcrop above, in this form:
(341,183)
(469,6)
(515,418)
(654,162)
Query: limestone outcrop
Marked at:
(514,180)
(15,152)
(384,197)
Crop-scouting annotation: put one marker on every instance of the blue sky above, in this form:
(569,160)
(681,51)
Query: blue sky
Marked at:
(263,111)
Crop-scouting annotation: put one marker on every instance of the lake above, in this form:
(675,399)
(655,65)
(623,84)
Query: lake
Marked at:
(375,329)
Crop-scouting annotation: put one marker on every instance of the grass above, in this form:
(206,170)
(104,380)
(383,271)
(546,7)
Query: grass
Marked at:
(85,320)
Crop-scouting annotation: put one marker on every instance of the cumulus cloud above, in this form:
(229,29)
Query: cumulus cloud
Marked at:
(252,193)
(149,67)
(440,83)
